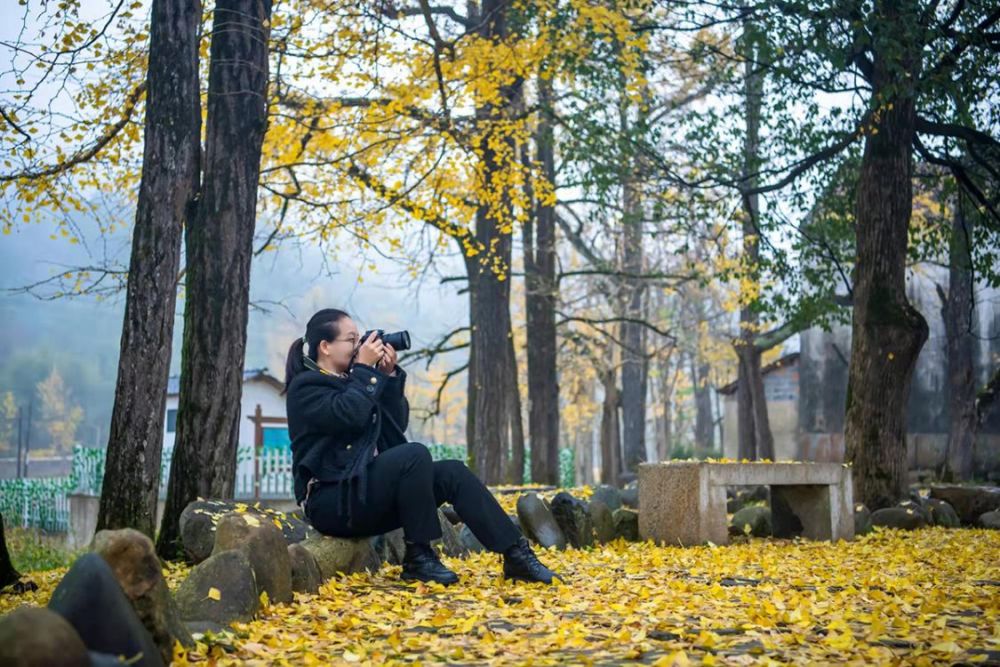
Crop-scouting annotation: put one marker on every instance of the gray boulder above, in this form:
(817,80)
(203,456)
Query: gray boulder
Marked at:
(990,520)
(538,523)
(917,506)
(608,495)
(391,547)
(449,541)
(266,548)
(630,495)
(574,519)
(469,539)
(450,512)
(220,589)
(39,637)
(626,524)
(862,519)
(969,501)
(200,518)
(133,560)
(603,520)
(342,554)
(942,513)
(754,520)
(306,577)
(905,518)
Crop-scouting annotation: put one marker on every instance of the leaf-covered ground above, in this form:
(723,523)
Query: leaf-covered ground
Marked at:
(926,597)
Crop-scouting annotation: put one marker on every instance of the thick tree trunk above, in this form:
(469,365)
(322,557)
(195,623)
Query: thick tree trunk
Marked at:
(541,294)
(170,163)
(755,439)
(219,249)
(887,331)
(634,383)
(491,429)
(959,352)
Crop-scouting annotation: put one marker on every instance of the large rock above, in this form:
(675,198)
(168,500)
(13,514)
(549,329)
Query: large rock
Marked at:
(469,539)
(862,519)
(133,560)
(450,512)
(917,506)
(574,519)
(942,513)
(306,577)
(538,523)
(266,548)
(220,589)
(603,520)
(450,542)
(630,495)
(608,495)
(905,518)
(990,520)
(626,524)
(91,600)
(391,547)
(200,517)
(342,554)
(39,637)
(969,501)
(754,520)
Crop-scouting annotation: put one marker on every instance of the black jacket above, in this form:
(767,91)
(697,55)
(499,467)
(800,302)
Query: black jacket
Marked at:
(335,423)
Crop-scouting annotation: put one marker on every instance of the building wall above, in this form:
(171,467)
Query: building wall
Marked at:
(781,388)
(255,392)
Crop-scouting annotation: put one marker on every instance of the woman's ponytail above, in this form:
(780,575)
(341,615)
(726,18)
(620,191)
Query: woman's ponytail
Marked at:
(294,364)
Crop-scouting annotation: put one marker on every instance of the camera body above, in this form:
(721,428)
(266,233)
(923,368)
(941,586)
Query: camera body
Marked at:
(400,340)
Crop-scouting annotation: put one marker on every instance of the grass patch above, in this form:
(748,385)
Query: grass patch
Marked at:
(33,550)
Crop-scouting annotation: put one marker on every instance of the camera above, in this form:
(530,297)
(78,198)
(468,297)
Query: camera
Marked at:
(400,340)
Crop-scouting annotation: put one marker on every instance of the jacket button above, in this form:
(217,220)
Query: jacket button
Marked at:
(348,446)
(373,380)
(370,389)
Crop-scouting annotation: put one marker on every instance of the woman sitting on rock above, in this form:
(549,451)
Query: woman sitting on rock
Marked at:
(355,472)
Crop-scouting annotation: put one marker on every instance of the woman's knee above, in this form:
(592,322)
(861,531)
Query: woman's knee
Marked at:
(452,468)
(415,451)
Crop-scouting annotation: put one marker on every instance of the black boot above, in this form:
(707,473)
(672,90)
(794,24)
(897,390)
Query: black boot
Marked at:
(421,562)
(520,563)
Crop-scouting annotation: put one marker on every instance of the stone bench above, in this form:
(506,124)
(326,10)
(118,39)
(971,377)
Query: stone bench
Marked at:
(684,502)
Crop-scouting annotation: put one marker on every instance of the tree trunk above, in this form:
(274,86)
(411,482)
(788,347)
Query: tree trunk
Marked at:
(704,424)
(492,367)
(219,249)
(170,163)
(755,439)
(887,331)
(959,350)
(633,396)
(541,294)
(8,575)
(610,429)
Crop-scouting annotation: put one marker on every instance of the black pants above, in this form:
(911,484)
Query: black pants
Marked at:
(405,488)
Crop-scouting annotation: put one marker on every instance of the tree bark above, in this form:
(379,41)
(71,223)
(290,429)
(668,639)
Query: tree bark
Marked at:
(755,438)
(169,183)
(219,249)
(887,331)
(633,396)
(610,426)
(8,575)
(541,294)
(704,424)
(959,351)
(492,367)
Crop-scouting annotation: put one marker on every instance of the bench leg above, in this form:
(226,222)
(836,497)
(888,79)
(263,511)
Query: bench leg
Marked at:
(802,510)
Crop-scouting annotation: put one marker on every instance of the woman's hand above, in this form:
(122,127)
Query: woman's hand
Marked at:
(371,351)
(388,363)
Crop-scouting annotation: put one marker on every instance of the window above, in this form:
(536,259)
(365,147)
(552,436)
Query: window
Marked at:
(276,437)
(172,421)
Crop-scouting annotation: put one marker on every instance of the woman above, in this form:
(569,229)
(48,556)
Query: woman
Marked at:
(356,473)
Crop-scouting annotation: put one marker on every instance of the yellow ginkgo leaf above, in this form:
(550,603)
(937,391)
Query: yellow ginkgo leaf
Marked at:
(251,520)
(214,594)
